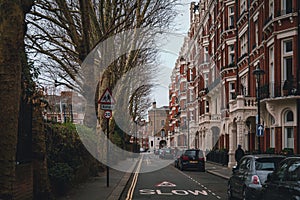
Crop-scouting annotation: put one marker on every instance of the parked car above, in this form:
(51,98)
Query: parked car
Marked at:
(249,175)
(166,153)
(192,159)
(284,183)
(177,155)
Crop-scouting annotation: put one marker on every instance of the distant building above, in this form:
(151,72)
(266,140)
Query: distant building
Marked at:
(66,107)
(158,127)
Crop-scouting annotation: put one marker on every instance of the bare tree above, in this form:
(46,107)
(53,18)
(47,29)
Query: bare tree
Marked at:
(64,32)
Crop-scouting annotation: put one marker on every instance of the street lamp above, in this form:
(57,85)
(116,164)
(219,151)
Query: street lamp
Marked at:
(257,73)
(136,130)
(154,108)
(162,134)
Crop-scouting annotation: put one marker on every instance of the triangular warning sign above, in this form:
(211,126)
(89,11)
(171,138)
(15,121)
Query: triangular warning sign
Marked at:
(106,98)
(165,184)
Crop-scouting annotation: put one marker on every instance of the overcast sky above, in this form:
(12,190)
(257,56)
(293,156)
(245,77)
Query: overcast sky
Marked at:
(169,53)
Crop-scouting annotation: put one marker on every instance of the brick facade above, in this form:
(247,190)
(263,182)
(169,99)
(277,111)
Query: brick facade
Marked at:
(233,40)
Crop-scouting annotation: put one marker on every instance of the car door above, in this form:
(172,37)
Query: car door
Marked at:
(276,186)
(239,176)
(290,187)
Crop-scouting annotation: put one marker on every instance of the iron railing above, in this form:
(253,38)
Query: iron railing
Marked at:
(279,89)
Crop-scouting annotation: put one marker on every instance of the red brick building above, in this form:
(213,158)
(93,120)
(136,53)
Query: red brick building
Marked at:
(228,41)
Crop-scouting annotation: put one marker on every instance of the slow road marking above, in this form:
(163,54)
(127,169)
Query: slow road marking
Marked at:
(173,192)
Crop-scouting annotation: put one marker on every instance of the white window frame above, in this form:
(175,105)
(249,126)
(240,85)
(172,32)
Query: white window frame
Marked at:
(206,56)
(272,137)
(244,83)
(256,32)
(285,56)
(244,44)
(243,6)
(272,71)
(288,129)
(231,89)
(271,8)
(230,54)
(288,141)
(206,107)
(191,74)
(284,6)
(205,75)
(230,16)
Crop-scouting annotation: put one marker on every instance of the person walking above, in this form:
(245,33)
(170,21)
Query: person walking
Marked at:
(239,153)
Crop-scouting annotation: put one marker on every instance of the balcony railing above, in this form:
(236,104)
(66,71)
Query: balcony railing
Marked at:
(279,89)
(285,12)
(242,102)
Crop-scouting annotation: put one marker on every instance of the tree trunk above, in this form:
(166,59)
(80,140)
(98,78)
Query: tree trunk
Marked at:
(11,38)
(41,183)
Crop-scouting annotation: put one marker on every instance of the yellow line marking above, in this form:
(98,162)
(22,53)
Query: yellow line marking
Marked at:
(134,181)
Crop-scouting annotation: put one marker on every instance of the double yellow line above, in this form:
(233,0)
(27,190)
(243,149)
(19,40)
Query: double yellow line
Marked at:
(134,181)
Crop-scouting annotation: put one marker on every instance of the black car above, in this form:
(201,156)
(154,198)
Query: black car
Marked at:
(192,159)
(177,155)
(249,175)
(284,183)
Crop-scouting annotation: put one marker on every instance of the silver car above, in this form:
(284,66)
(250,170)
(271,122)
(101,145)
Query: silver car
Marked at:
(249,175)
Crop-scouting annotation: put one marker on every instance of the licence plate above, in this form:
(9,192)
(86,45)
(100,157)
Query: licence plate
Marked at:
(193,161)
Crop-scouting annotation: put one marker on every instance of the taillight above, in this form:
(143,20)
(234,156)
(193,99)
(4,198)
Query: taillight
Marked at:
(185,158)
(255,180)
(201,159)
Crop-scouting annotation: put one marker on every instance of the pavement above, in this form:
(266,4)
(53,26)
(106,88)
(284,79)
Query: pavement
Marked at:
(96,187)
(218,170)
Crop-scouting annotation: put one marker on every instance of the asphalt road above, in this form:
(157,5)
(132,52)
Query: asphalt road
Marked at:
(170,183)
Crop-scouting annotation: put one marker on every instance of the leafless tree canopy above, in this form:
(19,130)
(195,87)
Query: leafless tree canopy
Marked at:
(63,32)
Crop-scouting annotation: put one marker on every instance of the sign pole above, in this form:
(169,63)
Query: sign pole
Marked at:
(107,102)
(107,156)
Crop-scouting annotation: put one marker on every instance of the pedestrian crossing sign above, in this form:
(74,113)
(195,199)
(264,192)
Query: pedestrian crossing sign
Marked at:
(106,98)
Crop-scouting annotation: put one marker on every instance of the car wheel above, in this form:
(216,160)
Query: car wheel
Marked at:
(229,192)
(181,167)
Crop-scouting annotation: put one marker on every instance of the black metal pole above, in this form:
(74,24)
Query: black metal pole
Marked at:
(154,133)
(258,110)
(107,157)
(298,78)
(135,146)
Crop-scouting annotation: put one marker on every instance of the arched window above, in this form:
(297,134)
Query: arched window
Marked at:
(272,131)
(289,117)
(288,129)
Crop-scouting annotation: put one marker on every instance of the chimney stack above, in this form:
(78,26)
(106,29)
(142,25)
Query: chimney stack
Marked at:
(154,105)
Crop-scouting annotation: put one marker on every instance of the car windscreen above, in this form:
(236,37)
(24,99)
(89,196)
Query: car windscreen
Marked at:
(190,153)
(267,164)
(194,153)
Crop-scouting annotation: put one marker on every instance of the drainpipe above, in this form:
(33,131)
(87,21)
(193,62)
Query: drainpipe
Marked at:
(237,47)
(248,49)
(298,78)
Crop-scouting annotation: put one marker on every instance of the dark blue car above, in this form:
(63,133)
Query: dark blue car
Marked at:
(284,183)
(192,159)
